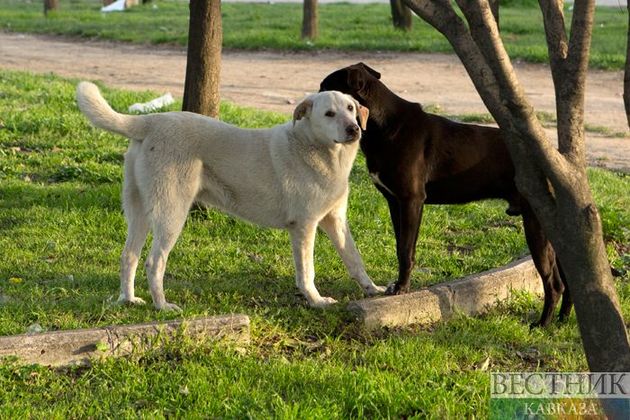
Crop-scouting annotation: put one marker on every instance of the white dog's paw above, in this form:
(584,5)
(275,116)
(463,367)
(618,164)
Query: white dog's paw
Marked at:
(123,300)
(168,307)
(375,290)
(323,302)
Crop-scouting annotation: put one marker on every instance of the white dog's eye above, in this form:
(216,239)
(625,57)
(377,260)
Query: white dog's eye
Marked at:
(329,114)
(350,108)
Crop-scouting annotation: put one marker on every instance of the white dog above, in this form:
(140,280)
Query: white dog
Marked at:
(293,176)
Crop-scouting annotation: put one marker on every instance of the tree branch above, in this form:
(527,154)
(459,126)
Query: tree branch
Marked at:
(485,33)
(440,15)
(569,64)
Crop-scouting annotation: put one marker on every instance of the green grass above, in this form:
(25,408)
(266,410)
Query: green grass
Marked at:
(62,231)
(277,27)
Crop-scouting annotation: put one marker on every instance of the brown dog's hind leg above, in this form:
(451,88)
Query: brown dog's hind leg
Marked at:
(567,300)
(410,212)
(544,259)
(514,205)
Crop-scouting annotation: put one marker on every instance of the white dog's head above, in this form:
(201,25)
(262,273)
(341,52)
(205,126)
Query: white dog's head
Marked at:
(332,116)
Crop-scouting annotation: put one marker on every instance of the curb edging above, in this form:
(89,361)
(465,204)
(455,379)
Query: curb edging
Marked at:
(471,295)
(75,347)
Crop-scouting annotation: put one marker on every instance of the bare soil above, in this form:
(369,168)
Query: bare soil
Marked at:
(276,81)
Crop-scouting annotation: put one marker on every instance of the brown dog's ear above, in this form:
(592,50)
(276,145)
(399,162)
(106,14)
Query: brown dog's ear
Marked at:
(370,70)
(302,109)
(363,113)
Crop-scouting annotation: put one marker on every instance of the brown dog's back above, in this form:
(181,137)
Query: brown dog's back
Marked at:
(469,163)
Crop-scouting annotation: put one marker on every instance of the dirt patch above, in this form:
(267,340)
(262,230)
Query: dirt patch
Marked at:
(275,81)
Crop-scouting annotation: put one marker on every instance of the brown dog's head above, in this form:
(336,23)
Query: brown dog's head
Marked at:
(351,80)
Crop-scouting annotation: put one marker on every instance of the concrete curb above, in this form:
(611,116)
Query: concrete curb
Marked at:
(59,348)
(470,295)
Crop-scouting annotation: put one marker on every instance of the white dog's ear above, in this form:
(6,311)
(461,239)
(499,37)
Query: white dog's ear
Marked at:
(302,109)
(363,113)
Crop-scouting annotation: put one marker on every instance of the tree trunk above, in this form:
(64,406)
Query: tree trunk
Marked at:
(401,15)
(50,5)
(626,76)
(309,20)
(203,65)
(553,180)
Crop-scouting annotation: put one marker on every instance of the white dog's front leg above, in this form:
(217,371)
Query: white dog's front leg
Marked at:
(336,227)
(303,243)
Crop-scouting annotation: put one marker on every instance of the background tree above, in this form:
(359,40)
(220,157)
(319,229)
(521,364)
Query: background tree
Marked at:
(626,76)
(50,5)
(203,65)
(402,18)
(494,6)
(553,180)
(309,19)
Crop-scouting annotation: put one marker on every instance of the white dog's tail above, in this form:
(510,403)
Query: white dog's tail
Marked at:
(98,111)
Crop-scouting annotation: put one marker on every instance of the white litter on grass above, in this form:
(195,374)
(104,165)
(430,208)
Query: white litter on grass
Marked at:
(117,6)
(154,104)
(34,329)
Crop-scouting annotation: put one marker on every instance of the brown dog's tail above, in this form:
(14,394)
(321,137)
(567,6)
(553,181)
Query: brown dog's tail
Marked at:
(98,111)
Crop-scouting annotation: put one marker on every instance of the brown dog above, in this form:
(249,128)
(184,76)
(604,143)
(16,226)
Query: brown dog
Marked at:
(416,158)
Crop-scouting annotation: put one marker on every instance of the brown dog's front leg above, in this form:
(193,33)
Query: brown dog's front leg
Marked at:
(410,212)
(394,212)
(544,258)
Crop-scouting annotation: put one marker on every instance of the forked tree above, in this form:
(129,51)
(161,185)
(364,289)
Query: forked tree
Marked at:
(203,63)
(553,180)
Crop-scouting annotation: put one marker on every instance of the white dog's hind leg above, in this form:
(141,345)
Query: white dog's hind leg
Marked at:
(166,229)
(303,243)
(137,229)
(336,227)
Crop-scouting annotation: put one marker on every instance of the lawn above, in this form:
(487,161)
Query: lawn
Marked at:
(276,26)
(62,231)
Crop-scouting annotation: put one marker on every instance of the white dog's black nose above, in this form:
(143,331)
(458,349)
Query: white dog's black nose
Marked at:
(352,130)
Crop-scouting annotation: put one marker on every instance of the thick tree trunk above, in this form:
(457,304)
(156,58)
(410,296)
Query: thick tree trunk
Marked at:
(626,76)
(309,20)
(553,180)
(583,255)
(401,15)
(50,5)
(203,66)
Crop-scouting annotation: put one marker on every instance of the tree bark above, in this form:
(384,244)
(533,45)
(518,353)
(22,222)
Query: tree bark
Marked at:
(401,15)
(50,5)
(553,180)
(626,76)
(203,65)
(309,20)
